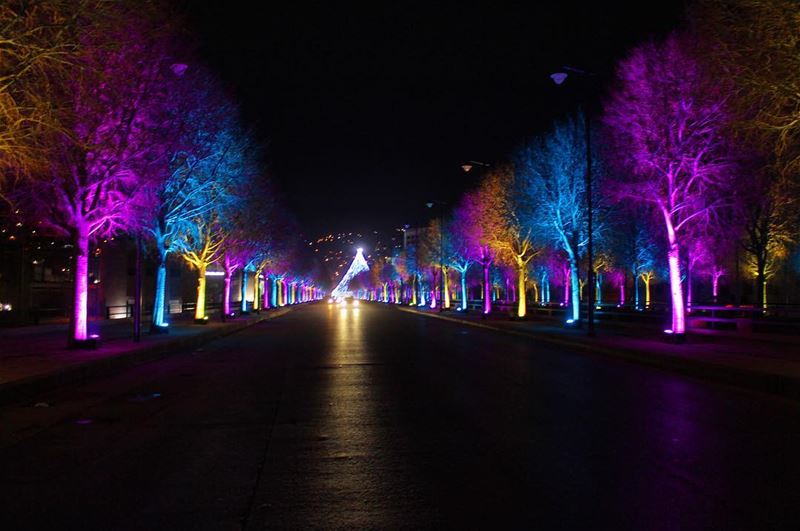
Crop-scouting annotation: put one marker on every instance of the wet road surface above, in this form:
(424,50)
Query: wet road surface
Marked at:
(375,418)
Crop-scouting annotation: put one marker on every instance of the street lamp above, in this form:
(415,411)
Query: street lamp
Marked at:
(467,166)
(559,78)
(440,204)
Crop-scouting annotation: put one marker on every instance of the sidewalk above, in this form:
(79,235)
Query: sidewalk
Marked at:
(36,358)
(762,362)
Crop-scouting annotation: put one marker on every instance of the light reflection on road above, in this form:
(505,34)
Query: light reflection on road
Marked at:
(351,432)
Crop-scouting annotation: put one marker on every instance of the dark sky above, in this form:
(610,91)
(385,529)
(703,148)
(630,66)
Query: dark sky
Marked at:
(368,112)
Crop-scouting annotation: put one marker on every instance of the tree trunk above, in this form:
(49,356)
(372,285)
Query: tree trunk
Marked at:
(689,287)
(446,284)
(714,286)
(487,295)
(521,306)
(761,281)
(434,286)
(256,290)
(598,288)
(80,308)
(226,294)
(244,290)
(464,290)
(200,305)
(575,288)
(678,314)
(159,304)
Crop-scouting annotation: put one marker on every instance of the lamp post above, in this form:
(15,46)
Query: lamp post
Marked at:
(559,78)
(467,167)
(440,204)
(137,300)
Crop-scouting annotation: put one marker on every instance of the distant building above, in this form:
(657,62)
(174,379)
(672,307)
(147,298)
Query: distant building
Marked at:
(36,276)
(410,236)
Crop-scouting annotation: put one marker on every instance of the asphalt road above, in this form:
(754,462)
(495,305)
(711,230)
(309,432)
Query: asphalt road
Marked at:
(375,418)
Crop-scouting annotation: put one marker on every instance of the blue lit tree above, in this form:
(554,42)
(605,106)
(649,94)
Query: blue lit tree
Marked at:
(459,249)
(217,229)
(551,171)
(247,220)
(107,107)
(199,170)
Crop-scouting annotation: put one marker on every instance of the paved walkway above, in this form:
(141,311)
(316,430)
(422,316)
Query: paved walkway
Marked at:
(32,357)
(763,361)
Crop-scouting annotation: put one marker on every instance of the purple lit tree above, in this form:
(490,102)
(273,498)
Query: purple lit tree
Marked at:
(481,225)
(111,107)
(720,249)
(618,278)
(429,250)
(667,119)
(247,224)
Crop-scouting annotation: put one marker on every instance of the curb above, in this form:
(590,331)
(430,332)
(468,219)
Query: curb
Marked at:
(26,388)
(771,383)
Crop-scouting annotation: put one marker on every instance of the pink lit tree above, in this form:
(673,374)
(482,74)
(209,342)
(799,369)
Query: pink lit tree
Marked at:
(429,253)
(250,226)
(111,107)
(720,250)
(668,119)
(618,278)
(482,224)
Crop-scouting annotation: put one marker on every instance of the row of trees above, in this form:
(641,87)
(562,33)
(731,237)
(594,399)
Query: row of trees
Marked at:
(110,124)
(696,155)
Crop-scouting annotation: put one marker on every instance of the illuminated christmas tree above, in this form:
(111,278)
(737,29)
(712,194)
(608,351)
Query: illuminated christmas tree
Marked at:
(358,265)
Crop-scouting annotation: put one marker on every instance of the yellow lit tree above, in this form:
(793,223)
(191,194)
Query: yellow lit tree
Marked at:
(39,43)
(201,246)
(756,45)
(511,235)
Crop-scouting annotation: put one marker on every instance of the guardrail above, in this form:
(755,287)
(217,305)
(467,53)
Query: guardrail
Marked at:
(124,311)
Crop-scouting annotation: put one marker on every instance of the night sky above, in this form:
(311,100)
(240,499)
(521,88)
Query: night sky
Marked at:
(368,112)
